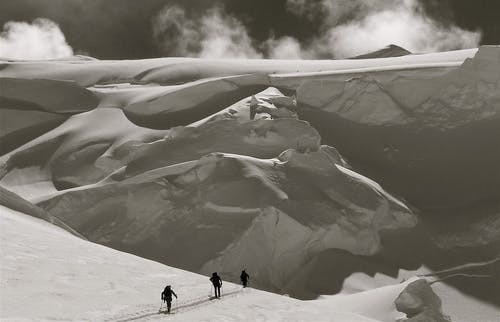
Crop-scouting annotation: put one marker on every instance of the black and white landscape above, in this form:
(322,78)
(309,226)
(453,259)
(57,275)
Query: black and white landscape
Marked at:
(360,188)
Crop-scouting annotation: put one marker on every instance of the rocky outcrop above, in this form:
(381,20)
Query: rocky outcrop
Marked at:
(389,51)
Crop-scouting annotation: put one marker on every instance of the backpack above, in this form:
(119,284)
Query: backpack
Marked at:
(216,280)
(166,294)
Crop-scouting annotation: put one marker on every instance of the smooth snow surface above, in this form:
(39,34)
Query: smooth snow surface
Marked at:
(49,274)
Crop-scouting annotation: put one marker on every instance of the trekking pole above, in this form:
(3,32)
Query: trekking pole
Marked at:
(161,306)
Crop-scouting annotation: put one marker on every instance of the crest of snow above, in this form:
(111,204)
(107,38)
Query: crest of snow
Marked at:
(371,183)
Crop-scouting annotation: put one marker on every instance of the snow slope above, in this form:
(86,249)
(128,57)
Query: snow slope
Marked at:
(82,150)
(458,305)
(42,271)
(396,127)
(202,88)
(142,154)
(269,215)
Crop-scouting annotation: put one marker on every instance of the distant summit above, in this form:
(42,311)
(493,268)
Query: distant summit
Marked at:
(389,51)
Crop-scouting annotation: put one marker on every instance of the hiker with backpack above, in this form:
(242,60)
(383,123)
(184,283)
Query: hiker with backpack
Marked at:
(244,277)
(217,283)
(166,296)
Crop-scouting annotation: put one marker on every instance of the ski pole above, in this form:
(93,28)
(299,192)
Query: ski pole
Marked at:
(161,306)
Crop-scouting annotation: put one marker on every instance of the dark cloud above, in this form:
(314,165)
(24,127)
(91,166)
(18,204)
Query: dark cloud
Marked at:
(117,29)
(472,15)
(103,28)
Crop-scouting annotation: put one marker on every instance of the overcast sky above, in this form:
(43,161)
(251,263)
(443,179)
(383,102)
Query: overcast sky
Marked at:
(118,29)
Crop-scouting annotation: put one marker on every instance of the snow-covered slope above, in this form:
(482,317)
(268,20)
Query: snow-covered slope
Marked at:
(30,107)
(49,274)
(305,172)
(457,304)
(462,96)
(269,215)
(410,132)
(82,150)
(11,200)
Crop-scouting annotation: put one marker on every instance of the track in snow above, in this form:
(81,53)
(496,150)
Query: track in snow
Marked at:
(151,312)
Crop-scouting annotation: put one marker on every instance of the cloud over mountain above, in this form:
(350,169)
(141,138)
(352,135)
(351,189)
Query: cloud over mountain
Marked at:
(212,35)
(347,28)
(41,39)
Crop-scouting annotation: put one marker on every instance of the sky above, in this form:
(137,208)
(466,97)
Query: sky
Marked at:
(287,29)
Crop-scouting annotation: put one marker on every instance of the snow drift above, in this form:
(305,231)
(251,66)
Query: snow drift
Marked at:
(99,283)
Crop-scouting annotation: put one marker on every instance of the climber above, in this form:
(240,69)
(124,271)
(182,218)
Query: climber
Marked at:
(166,296)
(244,277)
(217,283)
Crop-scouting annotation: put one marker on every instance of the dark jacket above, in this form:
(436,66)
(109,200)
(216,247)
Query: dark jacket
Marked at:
(167,294)
(244,276)
(216,280)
